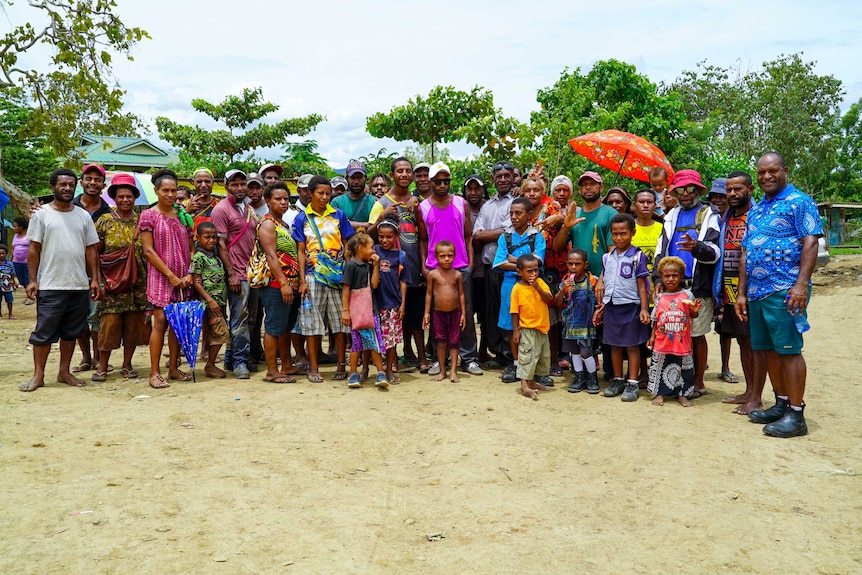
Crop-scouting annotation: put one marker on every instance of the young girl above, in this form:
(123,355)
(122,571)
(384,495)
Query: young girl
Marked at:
(672,371)
(576,296)
(390,294)
(362,271)
(625,306)
(167,246)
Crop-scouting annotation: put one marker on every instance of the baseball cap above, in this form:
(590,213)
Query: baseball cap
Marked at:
(231,174)
(254,178)
(96,167)
(355,166)
(719,186)
(474,178)
(422,165)
(303,180)
(123,181)
(275,167)
(339,181)
(685,178)
(591,176)
(437,168)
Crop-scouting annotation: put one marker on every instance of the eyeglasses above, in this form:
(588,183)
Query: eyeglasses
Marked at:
(502,166)
(440,181)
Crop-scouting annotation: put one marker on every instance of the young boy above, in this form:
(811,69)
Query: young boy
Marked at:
(447,287)
(530,325)
(8,281)
(210,281)
(518,240)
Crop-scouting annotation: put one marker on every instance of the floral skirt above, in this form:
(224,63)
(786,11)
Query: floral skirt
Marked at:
(671,375)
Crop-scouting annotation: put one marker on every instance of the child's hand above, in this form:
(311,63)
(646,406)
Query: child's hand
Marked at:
(426,321)
(463,322)
(375,259)
(645,318)
(597,317)
(695,305)
(568,283)
(651,341)
(215,308)
(345,317)
(399,315)
(516,338)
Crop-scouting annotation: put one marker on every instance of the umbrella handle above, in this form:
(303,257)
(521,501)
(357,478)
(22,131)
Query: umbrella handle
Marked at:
(623,163)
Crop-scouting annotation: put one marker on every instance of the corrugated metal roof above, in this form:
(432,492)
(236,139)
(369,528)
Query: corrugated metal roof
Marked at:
(122,152)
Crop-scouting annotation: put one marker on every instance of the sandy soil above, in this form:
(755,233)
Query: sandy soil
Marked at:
(248,477)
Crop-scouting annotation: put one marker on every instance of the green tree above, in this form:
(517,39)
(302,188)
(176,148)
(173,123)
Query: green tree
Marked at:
(783,106)
(610,96)
(379,162)
(26,160)
(72,89)
(439,117)
(222,146)
(846,180)
(302,158)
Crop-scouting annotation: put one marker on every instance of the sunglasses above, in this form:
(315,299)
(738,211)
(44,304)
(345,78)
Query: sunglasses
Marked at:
(440,181)
(502,166)
(688,190)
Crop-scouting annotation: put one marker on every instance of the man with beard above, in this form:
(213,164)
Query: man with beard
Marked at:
(421,178)
(356,203)
(235,225)
(91,201)
(691,233)
(492,220)
(254,199)
(726,286)
(63,242)
(774,291)
(444,216)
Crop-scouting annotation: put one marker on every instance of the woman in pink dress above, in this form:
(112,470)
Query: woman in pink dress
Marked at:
(167,243)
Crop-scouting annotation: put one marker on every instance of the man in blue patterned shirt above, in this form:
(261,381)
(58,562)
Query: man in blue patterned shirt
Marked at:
(779,252)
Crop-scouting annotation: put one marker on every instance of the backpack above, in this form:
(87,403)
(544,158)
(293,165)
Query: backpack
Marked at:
(531,240)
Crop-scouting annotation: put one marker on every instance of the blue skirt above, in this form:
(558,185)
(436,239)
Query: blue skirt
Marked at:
(623,327)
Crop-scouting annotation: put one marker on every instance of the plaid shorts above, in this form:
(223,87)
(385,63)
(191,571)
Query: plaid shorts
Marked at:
(325,311)
(391,328)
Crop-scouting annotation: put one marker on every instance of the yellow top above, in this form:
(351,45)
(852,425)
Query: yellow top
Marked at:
(527,303)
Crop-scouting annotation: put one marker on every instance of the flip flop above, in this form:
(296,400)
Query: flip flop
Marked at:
(728,377)
(556,371)
(424,367)
(315,377)
(83,366)
(99,376)
(698,393)
(280,379)
(128,373)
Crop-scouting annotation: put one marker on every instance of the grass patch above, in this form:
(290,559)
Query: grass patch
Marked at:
(845,251)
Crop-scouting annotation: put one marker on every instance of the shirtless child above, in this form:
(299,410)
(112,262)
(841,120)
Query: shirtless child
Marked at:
(446,288)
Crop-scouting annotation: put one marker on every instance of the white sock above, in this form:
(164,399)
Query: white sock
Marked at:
(516,363)
(590,363)
(577,362)
(796,407)
(784,397)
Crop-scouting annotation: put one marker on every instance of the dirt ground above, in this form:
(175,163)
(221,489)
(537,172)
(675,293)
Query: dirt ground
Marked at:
(248,477)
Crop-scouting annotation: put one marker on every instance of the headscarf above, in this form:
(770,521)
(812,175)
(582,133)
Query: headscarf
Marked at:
(205,171)
(561,180)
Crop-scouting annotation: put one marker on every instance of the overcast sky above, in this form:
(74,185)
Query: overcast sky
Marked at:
(347,60)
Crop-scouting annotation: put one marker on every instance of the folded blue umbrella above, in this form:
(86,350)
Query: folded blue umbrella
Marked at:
(186,318)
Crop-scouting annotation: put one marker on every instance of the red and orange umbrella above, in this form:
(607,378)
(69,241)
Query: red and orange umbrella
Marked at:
(626,154)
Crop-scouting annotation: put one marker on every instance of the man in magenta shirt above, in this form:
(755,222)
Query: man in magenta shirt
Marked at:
(443,216)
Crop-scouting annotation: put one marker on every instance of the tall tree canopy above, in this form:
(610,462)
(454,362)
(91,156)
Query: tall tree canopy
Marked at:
(222,146)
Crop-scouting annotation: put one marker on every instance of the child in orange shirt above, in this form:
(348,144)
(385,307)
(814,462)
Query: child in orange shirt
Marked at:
(530,325)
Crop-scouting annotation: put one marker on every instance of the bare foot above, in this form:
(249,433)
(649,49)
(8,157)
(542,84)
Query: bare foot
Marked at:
(214,372)
(529,393)
(453,377)
(69,379)
(12,317)
(658,400)
(683,401)
(439,377)
(31,385)
(539,386)
(748,407)
(741,398)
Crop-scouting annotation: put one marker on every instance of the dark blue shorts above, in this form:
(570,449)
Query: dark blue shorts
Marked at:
(279,317)
(60,315)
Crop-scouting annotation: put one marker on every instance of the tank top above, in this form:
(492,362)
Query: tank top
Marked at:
(445,224)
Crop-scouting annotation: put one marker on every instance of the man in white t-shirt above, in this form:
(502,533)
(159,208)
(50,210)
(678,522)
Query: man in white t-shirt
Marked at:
(63,248)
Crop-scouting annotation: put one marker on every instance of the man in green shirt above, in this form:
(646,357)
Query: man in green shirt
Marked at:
(356,203)
(588,227)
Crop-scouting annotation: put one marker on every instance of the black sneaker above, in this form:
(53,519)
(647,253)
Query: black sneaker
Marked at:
(618,384)
(510,375)
(632,391)
(545,380)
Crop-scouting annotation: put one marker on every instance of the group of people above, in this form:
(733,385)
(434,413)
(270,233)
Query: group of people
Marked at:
(554,283)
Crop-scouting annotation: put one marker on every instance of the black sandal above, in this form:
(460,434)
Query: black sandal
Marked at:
(341,372)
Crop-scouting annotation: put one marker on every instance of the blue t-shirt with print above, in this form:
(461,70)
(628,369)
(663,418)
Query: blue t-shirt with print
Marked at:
(773,240)
(393,270)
